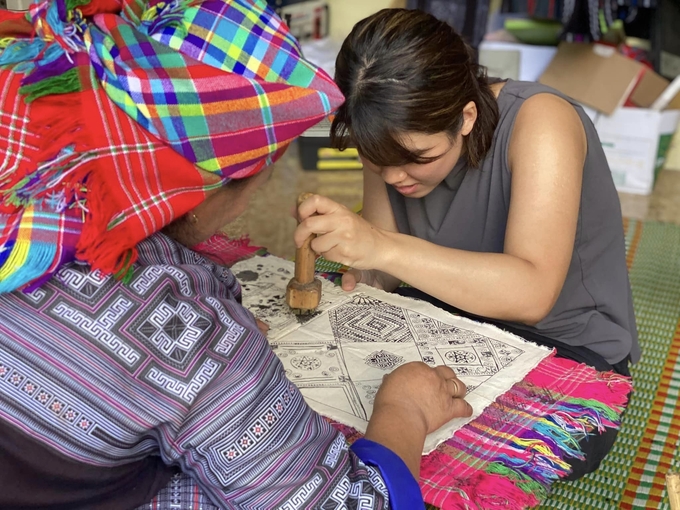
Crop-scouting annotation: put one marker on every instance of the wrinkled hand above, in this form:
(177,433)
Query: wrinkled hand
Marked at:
(263,327)
(435,395)
(342,236)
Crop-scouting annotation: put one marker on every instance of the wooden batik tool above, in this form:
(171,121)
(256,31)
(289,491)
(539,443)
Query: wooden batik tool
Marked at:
(303,293)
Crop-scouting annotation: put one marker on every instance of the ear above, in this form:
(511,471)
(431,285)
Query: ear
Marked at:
(469,118)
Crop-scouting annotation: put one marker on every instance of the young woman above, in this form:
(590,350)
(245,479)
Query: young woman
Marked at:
(490,198)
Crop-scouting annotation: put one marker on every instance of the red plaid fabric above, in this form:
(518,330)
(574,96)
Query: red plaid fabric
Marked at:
(134,183)
(123,110)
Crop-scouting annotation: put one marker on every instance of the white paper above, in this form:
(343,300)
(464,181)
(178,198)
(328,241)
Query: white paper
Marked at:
(337,358)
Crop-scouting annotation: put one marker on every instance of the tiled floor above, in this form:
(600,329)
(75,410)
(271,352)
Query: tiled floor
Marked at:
(269,221)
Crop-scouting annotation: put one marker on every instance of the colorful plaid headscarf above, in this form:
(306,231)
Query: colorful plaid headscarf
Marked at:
(108,109)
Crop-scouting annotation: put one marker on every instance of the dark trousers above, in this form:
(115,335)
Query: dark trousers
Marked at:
(596,446)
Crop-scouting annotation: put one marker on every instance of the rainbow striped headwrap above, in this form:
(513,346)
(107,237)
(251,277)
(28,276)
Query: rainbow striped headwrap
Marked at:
(109,108)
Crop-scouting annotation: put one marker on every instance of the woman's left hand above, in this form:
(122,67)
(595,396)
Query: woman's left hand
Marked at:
(342,236)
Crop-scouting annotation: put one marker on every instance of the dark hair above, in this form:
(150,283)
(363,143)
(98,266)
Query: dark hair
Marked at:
(406,71)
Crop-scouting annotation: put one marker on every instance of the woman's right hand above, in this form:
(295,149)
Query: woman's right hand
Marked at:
(413,401)
(436,395)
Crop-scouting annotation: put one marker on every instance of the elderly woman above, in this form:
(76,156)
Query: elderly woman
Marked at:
(111,384)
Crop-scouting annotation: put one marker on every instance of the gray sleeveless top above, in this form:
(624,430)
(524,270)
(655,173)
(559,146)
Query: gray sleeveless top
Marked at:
(469,211)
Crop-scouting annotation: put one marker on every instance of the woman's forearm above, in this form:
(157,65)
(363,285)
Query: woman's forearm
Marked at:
(402,432)
(494,285)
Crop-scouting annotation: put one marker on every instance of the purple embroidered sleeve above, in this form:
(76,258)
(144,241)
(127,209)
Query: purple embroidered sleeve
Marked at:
(171,364)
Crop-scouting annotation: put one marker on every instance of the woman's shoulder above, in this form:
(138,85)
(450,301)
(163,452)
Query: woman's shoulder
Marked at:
(531,106)
(522,90)
(516,96)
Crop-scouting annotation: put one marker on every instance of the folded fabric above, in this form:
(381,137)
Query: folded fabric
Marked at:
(114,106)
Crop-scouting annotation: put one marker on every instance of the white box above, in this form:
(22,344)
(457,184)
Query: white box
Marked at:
(636,143)
(514,61)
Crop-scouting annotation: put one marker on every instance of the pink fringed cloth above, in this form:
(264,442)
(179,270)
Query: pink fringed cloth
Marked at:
(510,456)
(225,251)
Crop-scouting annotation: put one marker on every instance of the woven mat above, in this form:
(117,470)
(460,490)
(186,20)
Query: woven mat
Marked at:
(633,474)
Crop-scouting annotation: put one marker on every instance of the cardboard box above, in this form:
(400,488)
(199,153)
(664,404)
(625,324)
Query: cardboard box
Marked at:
(15,5)
(595,75)
(636,143)
(635,138)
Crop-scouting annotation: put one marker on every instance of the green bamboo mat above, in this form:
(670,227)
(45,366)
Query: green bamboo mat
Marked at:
(633,475)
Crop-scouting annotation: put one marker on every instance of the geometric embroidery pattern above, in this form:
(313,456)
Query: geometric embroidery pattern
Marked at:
(173,329)
(107,372)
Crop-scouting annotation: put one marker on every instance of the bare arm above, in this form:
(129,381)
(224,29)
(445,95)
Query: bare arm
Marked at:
(546,157)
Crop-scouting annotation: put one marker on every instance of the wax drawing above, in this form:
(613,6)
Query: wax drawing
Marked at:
(338,357)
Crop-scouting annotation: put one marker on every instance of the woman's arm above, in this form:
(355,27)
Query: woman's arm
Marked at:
(546,157)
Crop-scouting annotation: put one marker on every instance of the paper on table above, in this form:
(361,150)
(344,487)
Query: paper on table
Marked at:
(338,357)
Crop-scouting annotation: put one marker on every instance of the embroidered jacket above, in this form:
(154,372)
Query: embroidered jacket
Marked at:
(171,364)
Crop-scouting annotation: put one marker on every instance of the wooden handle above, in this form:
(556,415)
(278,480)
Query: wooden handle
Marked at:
(305,257)
(673,488)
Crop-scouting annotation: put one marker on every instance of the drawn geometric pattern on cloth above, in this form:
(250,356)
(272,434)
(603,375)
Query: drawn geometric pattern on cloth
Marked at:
(383,360)
(385,322)
(483,358)
(368,319)
(307,363)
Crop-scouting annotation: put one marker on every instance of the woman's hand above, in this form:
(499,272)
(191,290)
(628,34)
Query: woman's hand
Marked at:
(413,401)
(365,276)
(262,327)
(342,236)
(434,395)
